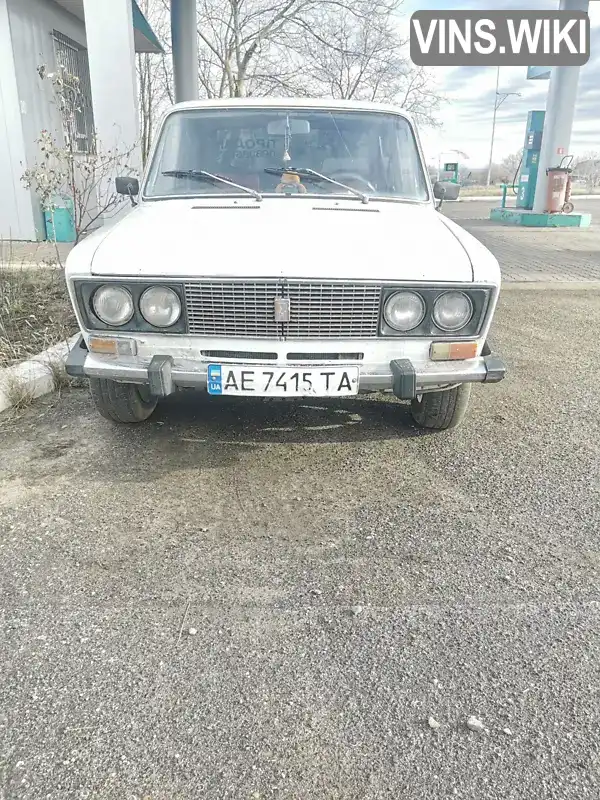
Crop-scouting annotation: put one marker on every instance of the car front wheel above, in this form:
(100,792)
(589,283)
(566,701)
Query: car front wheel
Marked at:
(441,410)
(122,402)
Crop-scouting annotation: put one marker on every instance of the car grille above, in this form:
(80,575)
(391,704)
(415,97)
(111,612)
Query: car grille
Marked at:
(318,310)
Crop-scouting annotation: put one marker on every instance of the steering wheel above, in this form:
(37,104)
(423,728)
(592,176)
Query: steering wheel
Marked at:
(346,177)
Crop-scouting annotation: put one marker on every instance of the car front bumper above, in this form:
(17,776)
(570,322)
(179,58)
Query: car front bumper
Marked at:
(405,378)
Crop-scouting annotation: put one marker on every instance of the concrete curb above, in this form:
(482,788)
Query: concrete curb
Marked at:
(539,285)
(498,197)
(34,375)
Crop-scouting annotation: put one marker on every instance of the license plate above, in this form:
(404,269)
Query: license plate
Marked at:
(261,381)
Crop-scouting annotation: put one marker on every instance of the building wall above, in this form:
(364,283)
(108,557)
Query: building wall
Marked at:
(16,216)
(31,26)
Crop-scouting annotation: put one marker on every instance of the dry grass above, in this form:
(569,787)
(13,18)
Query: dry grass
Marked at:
(481,191)
(58,373)
(18,392)
(35,312)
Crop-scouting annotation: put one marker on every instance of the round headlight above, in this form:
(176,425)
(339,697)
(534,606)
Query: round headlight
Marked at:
(452,311)
(404,311)
(113,305)
(160,306)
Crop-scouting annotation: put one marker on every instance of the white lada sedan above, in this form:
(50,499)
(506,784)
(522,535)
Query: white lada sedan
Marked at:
(284,248)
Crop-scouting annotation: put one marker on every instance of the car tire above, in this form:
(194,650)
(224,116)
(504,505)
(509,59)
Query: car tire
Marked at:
(121,402)
(441,410)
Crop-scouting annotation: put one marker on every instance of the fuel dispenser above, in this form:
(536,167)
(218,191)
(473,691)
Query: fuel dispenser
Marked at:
(451,171)
(449,177)
(531,157)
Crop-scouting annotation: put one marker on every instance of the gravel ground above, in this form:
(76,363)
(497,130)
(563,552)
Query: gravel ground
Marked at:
(272,600)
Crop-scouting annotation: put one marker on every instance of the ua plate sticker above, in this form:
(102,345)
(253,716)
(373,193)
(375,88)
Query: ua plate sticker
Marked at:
(215,379)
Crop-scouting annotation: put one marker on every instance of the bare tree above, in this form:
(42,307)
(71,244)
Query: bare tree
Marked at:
(82,180)
(587,168)
(361,55)
(155,77)
(338,48)
(510,165)
(236,35)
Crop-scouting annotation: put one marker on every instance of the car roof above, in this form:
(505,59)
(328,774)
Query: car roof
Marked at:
(292,102)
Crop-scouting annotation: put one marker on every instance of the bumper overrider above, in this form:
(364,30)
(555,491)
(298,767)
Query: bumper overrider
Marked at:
(164,375)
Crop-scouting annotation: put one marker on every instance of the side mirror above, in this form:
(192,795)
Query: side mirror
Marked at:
(130,187)
(439,192)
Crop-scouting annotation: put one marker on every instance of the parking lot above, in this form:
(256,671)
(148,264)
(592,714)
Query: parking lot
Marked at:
(557,255)
(271,600)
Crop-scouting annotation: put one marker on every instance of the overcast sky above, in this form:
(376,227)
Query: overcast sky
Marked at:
(467,115)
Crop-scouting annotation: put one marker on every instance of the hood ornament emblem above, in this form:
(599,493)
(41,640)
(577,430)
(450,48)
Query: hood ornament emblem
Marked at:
(282,309)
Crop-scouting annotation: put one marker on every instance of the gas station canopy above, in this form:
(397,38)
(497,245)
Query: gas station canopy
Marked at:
(539,73)
(144,38)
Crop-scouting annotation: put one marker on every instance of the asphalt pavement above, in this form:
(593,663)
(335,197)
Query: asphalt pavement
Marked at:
(553,255)
(279,600)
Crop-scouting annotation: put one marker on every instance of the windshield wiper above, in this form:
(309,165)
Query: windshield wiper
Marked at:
(311,173)
(202,175)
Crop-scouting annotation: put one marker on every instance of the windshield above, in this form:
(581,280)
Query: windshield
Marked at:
(373,153)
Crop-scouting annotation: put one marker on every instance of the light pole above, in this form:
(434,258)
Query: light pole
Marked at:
(499,98)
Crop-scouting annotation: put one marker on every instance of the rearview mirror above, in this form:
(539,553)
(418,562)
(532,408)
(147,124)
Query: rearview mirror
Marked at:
(446,190)
(128,186)
(439,190)
(297,127)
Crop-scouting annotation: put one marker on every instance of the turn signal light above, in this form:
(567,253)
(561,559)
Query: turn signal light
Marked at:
(452,351)
(104,346)
(112,347)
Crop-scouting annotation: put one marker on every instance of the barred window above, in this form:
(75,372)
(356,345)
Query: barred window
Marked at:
(77,116)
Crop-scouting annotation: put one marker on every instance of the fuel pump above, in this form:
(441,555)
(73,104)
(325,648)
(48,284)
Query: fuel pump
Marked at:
(531,157)
(451,171)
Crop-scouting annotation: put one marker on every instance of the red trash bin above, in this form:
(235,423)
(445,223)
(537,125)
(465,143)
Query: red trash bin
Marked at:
(558,180)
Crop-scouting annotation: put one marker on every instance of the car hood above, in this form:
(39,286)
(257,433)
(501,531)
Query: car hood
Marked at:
(284,237)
